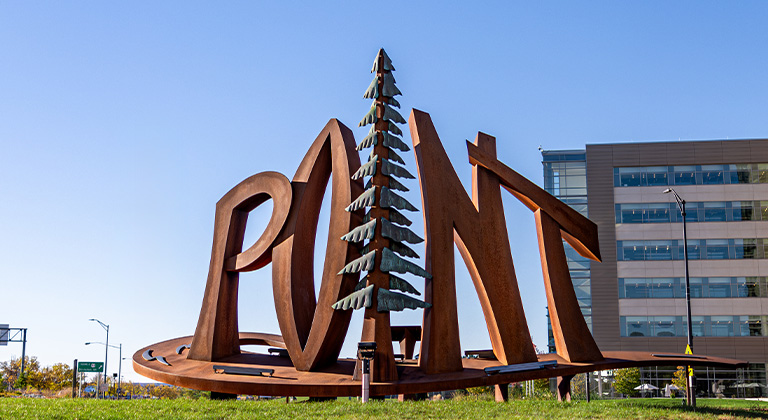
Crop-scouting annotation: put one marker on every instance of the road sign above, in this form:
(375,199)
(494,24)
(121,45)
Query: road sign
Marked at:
(689,351)
(4,334)
(90,366)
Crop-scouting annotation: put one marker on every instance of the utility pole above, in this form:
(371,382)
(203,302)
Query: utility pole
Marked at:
(74,378)
(106,353)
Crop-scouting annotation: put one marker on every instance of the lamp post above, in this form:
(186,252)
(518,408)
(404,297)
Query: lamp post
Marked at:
(366,350)
(106,350)
(119,366)
(691,397)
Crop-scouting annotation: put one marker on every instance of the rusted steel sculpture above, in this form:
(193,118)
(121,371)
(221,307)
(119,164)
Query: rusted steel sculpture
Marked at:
(304,359)
(380,225)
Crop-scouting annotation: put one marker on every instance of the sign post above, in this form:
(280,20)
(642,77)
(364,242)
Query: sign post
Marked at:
(11,335)
(74,379)
(691,381)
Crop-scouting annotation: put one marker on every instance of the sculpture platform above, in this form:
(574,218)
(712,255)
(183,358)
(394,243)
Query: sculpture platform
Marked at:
(337,380)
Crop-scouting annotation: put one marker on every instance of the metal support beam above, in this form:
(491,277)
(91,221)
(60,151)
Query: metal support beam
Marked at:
(23,349)
(564,388)
(501,392)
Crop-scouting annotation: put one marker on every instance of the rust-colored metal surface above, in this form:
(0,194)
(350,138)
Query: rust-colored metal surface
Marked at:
(407,337)
(312,330)
(216,335)
(337,380)
(478,228)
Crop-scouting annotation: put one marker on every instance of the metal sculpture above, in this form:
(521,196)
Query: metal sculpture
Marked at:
(313,329)
(385,238)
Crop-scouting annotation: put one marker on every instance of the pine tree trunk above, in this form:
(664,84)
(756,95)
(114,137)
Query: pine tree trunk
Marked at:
(376,325)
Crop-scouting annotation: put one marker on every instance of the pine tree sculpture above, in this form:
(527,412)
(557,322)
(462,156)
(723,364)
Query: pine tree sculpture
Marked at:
(384,233)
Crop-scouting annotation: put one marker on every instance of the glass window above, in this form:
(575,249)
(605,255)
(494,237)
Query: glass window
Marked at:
(754,326)
(582,293)
(635,288)
(573,180)
(745,248)
(742,210)
(710,211)
(573,191)
(697,287)
(655,176)
(637,326)
(632,213)
(714,211)
(663,288)
(658,250)
(719,287)
(578,265)
(717,249)
(657,213)
(760,176)
(692,213)
(679,287)
(663,326)
(579,207)
(740,174)
(694,249)
(742,289)
(721,326)
(698,327)
(755,287)
(630,177)
(631,251)
(712,174)
(684,175)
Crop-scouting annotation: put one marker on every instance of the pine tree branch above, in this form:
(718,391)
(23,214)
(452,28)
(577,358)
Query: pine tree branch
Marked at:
(364,263)
(393,301)
(391,262)
(356,300)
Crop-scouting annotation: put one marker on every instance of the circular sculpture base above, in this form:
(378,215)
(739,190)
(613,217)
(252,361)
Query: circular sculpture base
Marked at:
(337,380)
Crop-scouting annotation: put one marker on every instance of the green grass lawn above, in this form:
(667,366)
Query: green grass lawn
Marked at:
(25,408)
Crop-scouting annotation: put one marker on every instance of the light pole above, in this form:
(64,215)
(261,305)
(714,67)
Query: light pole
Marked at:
(106,350)
(691,397)
(366,350)
(120,373)
(119,367)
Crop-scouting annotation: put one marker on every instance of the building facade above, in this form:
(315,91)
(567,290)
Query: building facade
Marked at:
(635,298)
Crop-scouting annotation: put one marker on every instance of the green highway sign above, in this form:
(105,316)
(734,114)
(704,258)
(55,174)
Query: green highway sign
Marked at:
(90,366)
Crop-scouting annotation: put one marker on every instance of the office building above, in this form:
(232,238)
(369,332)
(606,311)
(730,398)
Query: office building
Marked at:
(635,298)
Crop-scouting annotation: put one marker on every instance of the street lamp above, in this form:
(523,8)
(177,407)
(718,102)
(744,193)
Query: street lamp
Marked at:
(366,350)
(106,349)
(691,379)
(119,367)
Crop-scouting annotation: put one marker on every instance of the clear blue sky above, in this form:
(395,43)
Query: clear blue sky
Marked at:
(122,124)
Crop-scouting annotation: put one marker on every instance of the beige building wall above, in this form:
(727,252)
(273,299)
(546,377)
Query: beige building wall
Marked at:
(602,197)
